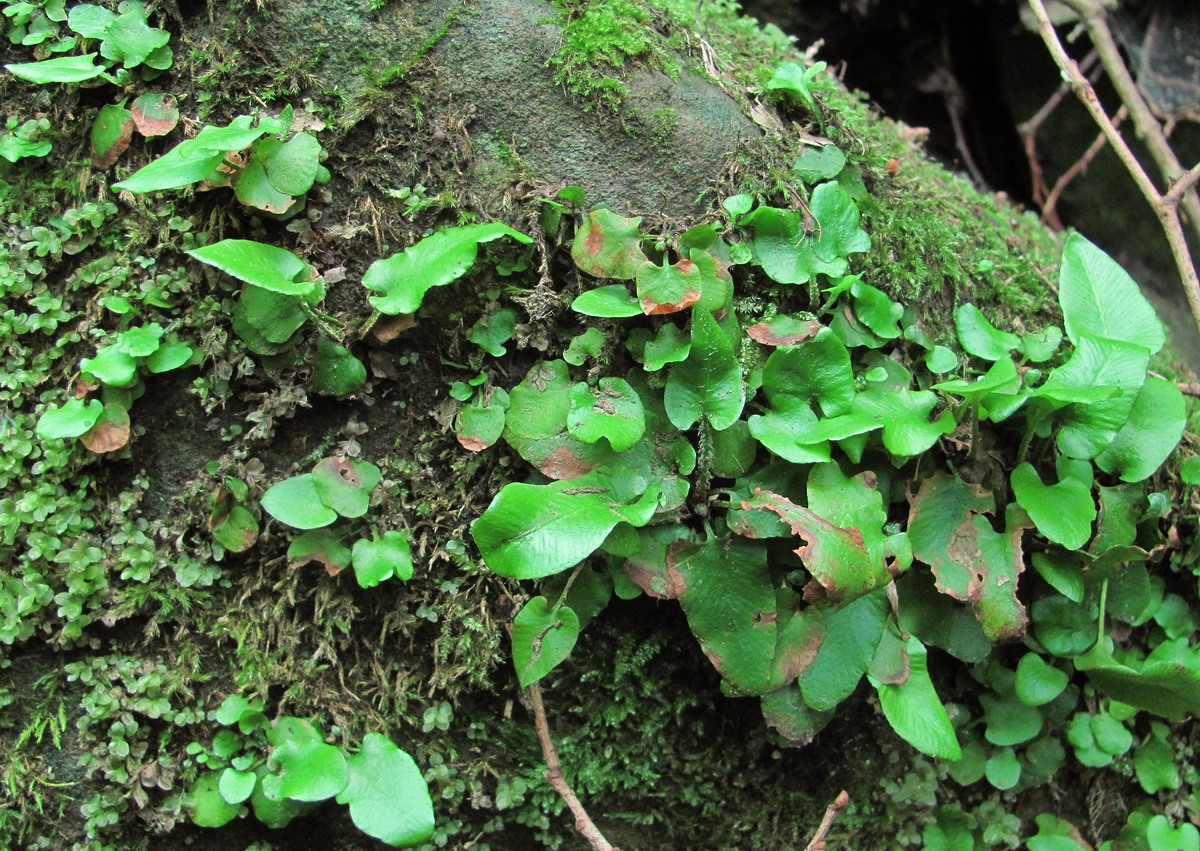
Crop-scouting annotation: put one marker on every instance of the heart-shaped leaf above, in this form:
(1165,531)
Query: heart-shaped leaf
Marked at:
(542,638)
(608,246)
(236,786)
(320,545)
(379,558)
(206,803)
(388,796)
(1038,682)
(1063,512)
(668,289)
(155,114)
(817,369)
(708,385)
(291,166)
(337,372)
(296,502)
(308,769)
(1099,299)
(70,420)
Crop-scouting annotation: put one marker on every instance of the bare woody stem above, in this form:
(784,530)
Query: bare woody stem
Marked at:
(554,774)
(817,843)
(1166,207)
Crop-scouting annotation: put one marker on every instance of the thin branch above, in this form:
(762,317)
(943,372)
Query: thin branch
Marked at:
(1029,131)
(1190,388)
(817,843)
(1079,166)
(1167,212)
(1184,184)
(554,774)
(1148,129)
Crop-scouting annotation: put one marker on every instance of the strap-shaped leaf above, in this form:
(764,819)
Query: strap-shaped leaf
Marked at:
(404,278)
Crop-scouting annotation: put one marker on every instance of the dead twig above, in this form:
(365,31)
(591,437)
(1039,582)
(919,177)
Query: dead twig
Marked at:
(817,843)
(1049,211)
(1029,132)
(1165,207)
(554,774)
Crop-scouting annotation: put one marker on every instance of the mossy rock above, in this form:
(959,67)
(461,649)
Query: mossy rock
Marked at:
(462,100)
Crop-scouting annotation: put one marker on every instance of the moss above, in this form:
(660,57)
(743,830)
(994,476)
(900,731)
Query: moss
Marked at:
(600,37)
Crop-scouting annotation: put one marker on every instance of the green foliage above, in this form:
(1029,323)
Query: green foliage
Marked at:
(125,39)
(599,38)
(285,767)
(438,260)
(268,167)
(23,139)
(798,82)
(631,461)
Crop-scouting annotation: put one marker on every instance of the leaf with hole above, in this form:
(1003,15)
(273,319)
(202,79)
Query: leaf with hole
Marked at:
(345,484)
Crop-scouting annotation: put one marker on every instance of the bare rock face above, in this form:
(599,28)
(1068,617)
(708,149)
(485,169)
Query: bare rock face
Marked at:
(490,72)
